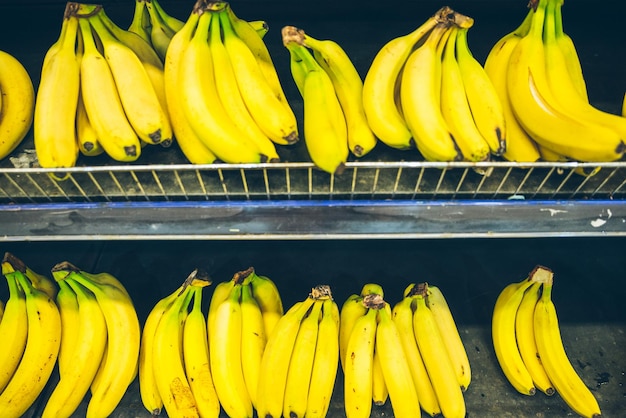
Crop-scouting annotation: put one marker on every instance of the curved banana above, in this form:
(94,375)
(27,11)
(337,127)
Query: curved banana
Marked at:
(402,315)
(87,351)
(67,301)
(190,144)
(325,363)
(275,362)
(438,305)
(455,106)
(482,96)
(380,392)
(562,374)
(172,22)
(420,96)
(538,111)
(520,147)
(86,135)
(440,370)
(1,309)
(18,103)
(525,336)
(201,105)
(103,104)
(231,96)
(54,123)
(14,326)
(568,49)
(271,112)
(122,353)
(39,281)
(352,309)
(260,26)
(394,364)
(253,340)
(268,298)
(40,354)
(140,23)
(221,292)
(160,33)
(225,355)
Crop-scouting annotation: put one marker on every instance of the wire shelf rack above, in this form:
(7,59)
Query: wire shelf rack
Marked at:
(417,180)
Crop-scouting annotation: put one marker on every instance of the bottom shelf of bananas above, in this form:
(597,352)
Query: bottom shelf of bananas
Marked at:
(299,329)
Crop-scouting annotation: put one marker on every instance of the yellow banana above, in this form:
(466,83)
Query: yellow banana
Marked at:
(171,22)
(260,26)
(200,101)
(253,340)
(14,326)
(39,281)
(420,96)
(221,292)
(482,96)
(268,298)
(525,336)
(562,374)
(103,104)
(160,33)
(231,96)
(275,362)
(40,354)
(325,363)
(86,135)
(352,309)
(67,301)
(271,112)
(455,106)
(225,354)
(54,123)
(402,314)
(1,309)
(438,305)
(190,144)
(380,392)
(140,23)
(440,369)
(87,351)
(568,49)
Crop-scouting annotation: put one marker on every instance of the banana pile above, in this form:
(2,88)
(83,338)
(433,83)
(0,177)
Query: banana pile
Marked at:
(538,76)
(528,345)
(86,323)
(224,96)
(332,92)
(17,102)
(425,89)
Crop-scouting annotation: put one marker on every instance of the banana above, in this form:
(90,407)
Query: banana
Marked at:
(525,336)
(171,22)
(221,292)
(562,374)
(201,104)
(420,96)
(271,112)
(538,111)
(231,96)
(325,363)
(17,104)
(440,369)
(520,147)
(190,144)
(86,135)
(455,106)
(39,281)
(379,85)
(568,49)
(394,364)
(14,326)
(119,366)
(438,305)
(268,298)
(402,315)
(253,340)
(40,354)
(301,364)
(168,365)
(380,392)
(482,96)
(136,91)
(352,309)
(1,309)
(140,23)
(260,26)
(275,362)
(87,351)
(103,103)
(67,301)
(160,33)
(325,129)
(503,333)
(225,335)
(349,89)
(196,358)
(54,123)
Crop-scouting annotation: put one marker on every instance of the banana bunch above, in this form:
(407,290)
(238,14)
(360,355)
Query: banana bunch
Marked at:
(426,90)
(17,102)
(31,332)
(224,96)
(334,116)
(243,312)
(174,371)
(299,365)
(538,76)
(528,344)
(101,90)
